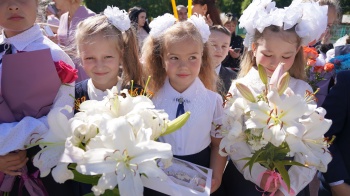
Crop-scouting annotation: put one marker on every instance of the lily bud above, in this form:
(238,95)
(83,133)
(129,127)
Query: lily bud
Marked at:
(276,75)
(283,83)
(177,123)
(245,92)
(262,74)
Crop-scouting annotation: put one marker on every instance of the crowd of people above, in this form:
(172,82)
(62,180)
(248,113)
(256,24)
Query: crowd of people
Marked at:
(193,66)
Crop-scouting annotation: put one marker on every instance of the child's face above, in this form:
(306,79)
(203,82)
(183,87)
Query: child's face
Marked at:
(182,61)
(231,26)
(272,49)
(17,16)
(101,59)
(219,44)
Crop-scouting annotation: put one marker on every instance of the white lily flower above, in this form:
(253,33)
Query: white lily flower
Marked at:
(277,118)
(53,145)
(121,157)
(312,144)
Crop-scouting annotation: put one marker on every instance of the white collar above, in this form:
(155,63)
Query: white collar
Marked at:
(97,94)
(217,69)
(197,87)
(23,39)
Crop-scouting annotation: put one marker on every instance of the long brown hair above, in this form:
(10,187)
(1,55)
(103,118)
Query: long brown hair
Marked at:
(213,11)
(153,55)
(125,43)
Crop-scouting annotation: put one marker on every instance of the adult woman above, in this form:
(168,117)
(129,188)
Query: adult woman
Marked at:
(138,17)
(75,12)
(208,9)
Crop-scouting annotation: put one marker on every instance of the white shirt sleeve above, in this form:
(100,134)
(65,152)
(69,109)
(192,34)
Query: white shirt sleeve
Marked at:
(217,118)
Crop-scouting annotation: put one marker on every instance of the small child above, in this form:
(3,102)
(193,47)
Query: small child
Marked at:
(219,42)
(236,45)
(106,43)
(183,80)
(23,35)
(270,43)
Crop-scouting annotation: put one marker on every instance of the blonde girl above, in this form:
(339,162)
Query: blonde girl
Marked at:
(107,48)
(183,80)
(269,43)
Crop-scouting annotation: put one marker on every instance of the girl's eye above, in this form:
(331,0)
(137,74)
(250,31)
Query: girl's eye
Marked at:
(193,57)
(173,58)
(89,58)
(286,57)
(108,57)
(267,55)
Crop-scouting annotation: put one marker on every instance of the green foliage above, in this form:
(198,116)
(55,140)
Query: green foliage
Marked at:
(158,7)
(273,158)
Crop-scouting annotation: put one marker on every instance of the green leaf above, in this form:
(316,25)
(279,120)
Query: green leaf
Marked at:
(87,179)
(290,162)
(282,170)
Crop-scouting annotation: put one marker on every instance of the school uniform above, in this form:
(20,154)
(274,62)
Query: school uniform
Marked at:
(15,135)
(191,142)
(66,35)
(239,181)
(226,76)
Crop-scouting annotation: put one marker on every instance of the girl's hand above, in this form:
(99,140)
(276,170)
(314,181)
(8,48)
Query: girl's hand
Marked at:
(272,187)
(341,189)
(12,162)
(215,184)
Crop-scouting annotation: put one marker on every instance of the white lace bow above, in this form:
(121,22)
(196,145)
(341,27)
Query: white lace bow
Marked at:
(309,17)
(118,18)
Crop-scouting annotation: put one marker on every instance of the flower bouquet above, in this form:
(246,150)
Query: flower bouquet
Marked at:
(109,143)
(316,70)
(276,125)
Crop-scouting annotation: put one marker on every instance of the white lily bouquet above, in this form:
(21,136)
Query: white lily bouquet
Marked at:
(109,143)
(277,124)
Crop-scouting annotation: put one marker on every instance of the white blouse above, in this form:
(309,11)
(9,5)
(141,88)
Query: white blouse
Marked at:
(299,176)
(206,111)
(97,94)
(14,136)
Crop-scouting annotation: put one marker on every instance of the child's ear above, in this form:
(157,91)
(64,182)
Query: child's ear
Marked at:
(254,47)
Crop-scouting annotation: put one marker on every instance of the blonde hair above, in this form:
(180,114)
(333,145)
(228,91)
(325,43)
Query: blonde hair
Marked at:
(153,55)
(297,70)
(125,43)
